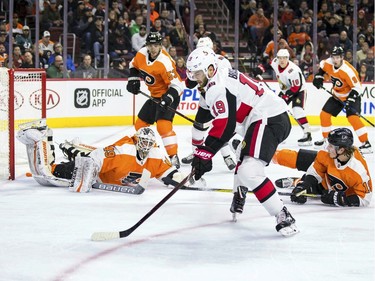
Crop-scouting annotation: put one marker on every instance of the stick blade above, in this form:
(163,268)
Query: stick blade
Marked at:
(102,236)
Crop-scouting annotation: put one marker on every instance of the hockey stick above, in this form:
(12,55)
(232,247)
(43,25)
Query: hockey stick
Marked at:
(291,114)
(352,109)
(119,188)
(200,125)
(100,236)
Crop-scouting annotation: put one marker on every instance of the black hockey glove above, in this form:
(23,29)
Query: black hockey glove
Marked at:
(190,83)
(202,161)
(134,85)
(285,96)
(301,186)
(337,198)
(318,81)
(168,98)
(258,70)
(350,101)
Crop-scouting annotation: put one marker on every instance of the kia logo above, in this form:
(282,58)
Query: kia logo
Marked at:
(18,100)
(53,99)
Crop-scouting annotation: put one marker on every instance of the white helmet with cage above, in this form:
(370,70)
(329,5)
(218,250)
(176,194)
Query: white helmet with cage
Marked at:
(144,140)
(205,42)
(283,53)
(200,59)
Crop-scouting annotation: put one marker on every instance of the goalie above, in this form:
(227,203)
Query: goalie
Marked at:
(132,160)
(340,173)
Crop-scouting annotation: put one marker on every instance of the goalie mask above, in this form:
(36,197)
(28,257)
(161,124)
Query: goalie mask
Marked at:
(200,60)
(144,140)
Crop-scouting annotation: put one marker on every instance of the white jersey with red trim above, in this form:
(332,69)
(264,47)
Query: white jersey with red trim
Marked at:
(290,77)
(222,62)
(231,95)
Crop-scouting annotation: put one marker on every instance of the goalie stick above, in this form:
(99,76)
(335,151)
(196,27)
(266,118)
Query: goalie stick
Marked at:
(119,188)
(101,236)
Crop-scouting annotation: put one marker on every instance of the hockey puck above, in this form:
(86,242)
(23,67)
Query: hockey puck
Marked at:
(29,175)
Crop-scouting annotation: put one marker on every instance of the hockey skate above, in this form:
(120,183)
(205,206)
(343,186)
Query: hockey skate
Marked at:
(366,148)
(320,143)
(286,223)
(306,140)
(287,182)
(188,159)
(229,162)
(239,198)
(175,161)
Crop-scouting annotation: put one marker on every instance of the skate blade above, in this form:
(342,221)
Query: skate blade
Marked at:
(234,217)
(305,144)
(289,230)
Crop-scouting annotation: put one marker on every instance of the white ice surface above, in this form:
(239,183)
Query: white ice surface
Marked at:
(45,232)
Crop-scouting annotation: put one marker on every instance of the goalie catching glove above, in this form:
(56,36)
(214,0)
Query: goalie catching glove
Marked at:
(202,161)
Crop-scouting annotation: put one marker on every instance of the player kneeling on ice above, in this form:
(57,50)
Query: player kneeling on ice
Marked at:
(340,173)
(245,106)
(131,161)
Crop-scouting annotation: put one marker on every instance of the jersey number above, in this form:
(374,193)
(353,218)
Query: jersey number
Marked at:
(253,84)
(218,108)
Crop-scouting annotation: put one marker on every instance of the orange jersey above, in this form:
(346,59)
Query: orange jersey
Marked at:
(118,162)
(344,79)
(159,74)
(353,177)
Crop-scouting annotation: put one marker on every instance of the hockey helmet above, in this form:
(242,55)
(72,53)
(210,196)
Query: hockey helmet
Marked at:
(200,59)
(144,140)
(154,38)
(283,53)
(205,42)
(341,137)
(337,51)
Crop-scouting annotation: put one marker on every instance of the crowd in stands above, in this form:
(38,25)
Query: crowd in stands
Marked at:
(127,33)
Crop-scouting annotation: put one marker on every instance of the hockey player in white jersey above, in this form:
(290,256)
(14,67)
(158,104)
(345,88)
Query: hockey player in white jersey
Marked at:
(243,105)
(293,90)
(204,116)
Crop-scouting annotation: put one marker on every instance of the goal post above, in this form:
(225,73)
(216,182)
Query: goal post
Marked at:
(22,99)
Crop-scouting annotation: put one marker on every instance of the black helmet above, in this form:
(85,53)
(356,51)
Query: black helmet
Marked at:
(154,38)
(341,137)
(337,51)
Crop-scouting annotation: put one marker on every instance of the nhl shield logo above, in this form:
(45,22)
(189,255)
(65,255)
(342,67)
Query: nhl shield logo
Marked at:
(82,98)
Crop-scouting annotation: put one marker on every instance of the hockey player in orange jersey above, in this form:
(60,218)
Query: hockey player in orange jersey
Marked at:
(158,70)
(348,89)
(340,173)
(130,160)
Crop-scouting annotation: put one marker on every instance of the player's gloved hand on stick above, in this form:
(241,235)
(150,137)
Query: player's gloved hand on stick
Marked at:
(318,81)
(166,100)
(258,70)
(134,85)
(298,189)
(350,101)
(337,198)
(202,161)
(286,96)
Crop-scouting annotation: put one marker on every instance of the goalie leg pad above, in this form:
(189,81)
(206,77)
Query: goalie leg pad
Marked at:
(85,174)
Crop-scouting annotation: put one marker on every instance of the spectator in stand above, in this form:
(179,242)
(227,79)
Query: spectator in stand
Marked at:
(287,17)
(332,26)
(347,26)
(116,8)
(3,56)
(127,20)
(165,20)
(177,37)
(24,40)
(173,53)
(369,61)
(323,49)
(364,74)
(17,27)
(361,21)
(360,41)
(344,41)
(17,57)
(58,51)
(282,44)
(98,39)
(119,43)
(181,67)
(51,16)
(307,67)
(246,11)
(308,49)
(166,44)
(257,24)
(139,39)
(298,37)
(158,27)
(323,11)
(28,61)
(202,32)
(303,7)
(3,26)
(119,69)
(198,20)
(45,44)
(3,40)
(56,70)
(153,14)
(137,25)
(369,34)
(83,27)
(216,47)
(85,69)
(362,53)
(100,9)
(349,56)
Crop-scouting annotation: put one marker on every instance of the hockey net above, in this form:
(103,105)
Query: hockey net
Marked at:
(22,99)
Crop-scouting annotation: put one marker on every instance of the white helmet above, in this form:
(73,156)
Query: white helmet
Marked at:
(283,53)
(144,140)
(200,59)
(205,42)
